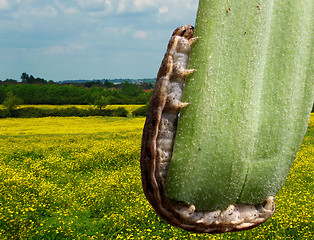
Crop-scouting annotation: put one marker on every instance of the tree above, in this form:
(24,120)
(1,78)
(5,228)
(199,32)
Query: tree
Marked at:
(101,99)
(108,84)
(31,79)
(24,77)
(102,102)
(10,81)
(11,101)
(93,83)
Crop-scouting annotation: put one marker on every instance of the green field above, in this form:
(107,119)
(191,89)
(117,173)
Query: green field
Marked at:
(79,178)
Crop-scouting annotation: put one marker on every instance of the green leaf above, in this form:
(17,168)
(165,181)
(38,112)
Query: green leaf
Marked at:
(250,100)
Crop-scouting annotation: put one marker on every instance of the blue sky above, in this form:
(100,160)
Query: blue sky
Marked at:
(88,39)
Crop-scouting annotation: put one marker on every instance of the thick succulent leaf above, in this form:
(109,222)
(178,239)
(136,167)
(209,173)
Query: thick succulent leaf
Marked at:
(250,100)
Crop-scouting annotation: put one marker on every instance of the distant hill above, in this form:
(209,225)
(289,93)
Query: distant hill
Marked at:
(115,81)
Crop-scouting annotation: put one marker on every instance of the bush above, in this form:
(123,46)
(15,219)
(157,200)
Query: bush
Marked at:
(73,112)
(5,113)
(33,112)
(11,102)
(28,112)
(120,112)
(142,111)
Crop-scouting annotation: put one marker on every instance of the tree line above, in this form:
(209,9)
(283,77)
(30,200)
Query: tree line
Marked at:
(145,83)
(39,91)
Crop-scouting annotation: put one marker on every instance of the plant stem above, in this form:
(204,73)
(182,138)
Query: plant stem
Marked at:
(250,100)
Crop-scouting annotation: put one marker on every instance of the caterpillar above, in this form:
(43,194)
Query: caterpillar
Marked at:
(157,144)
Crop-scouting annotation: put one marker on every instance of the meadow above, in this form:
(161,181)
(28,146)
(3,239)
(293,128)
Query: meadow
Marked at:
(79,178)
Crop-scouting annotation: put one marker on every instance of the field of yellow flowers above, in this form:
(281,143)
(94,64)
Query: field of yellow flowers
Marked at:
(79,178)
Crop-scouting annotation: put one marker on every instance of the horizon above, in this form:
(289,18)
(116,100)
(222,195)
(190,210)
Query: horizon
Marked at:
(81,79)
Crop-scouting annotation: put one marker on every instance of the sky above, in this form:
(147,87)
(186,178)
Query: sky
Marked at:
(88,39)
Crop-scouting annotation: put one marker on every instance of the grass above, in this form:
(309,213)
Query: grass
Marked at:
(79,178)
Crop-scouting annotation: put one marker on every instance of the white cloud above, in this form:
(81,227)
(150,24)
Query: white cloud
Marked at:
(117,6)
(176,11)
(46,11)
(117,30)
(97,7)
(135,5)
(170,9)
(54,50)
(122,32)
(163,9)
(4,5)
(92,5)
(140,35)
(70,10)
(144,4)
(109,6)
(26,9)
(59,49)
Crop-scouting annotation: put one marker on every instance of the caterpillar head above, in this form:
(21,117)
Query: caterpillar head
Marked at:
(186,31)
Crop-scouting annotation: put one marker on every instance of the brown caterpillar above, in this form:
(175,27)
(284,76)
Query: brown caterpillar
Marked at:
(157,145)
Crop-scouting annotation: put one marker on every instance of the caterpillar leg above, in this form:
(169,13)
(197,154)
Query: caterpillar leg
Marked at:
(192,40)
(182,72)
(177,104)
(187,71)
(183,104)
(174,104)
